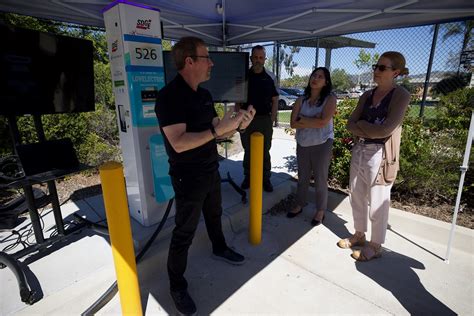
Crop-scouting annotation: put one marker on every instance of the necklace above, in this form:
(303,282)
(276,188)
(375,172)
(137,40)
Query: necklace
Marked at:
(381,95)
(313,101)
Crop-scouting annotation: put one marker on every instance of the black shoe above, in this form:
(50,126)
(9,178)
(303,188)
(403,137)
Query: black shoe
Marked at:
(245,184)
(267,186)
(315,222)
(229,256)
(183,302)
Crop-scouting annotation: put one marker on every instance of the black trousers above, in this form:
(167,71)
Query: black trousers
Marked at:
(193,194)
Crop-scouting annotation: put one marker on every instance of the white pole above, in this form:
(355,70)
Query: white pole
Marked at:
(461,183)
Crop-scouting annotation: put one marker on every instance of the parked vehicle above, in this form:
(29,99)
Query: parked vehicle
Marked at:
(355,94)
(342,94)
(286,100)
(293,91)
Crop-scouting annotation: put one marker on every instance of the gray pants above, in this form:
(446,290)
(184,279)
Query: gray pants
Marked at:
(314,159)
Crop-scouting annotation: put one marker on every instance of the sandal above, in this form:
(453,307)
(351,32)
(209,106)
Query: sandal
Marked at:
(294,212)
(369,252)
(353,241)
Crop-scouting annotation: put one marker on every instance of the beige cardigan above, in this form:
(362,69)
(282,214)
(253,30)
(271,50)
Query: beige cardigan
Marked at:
(391,129)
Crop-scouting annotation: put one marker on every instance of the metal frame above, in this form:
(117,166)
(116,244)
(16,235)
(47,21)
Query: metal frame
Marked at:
(42,245)
(221,9)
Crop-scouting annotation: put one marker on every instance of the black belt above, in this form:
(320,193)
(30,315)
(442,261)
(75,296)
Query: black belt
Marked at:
(362,140)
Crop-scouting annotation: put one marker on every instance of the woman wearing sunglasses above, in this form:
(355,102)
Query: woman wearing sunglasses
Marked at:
(312,116)
(376,123)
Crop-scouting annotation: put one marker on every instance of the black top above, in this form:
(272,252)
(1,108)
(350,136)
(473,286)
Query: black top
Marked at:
(178,103)
(261,89)
(376,114)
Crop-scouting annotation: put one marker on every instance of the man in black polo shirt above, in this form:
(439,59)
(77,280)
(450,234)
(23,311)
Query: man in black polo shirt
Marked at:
(190,127)
(263,95)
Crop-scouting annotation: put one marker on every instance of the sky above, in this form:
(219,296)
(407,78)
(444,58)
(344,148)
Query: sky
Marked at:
(414,43)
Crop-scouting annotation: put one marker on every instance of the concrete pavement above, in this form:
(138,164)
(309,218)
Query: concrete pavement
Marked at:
(297,269)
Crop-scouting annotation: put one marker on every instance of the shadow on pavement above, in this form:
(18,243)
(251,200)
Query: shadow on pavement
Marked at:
(211,282)
(395,273)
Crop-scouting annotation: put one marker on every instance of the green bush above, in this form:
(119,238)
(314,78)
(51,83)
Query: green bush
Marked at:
(430,155)
(452,83)
(339,168)
(454,110)
(432,151)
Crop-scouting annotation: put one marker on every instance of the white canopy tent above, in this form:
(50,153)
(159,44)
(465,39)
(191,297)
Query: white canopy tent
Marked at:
(235,22)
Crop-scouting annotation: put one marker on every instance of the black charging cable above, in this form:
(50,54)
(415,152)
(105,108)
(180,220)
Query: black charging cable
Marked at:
(113,289)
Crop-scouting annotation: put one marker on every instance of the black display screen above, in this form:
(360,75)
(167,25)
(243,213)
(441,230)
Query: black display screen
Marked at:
(43,73)
(228,82)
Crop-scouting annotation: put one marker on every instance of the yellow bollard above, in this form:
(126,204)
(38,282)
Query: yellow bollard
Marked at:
(118,220)
(256,182)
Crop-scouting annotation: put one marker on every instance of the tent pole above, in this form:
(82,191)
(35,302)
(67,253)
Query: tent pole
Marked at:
(224,39)
(316,57)
(278,63)
(428,71)
(327,62)
(463,168)
(275,58)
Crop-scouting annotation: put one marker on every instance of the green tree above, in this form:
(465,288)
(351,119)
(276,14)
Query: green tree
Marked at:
(29,22)
(464,28)
(405,82)
(166,44)
(340,79)
(364,61)
(94,134)
(286,58)
(451,83)
(269,63)
(296,81)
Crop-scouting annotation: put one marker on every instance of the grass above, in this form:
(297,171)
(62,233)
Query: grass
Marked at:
(429,111)
(284,116)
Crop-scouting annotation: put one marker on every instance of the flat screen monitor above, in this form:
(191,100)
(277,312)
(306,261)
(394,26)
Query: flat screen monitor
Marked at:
(43,73)
(228,82)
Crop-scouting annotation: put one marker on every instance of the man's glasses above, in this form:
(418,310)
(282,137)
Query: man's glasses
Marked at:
(207,57)
(381,67)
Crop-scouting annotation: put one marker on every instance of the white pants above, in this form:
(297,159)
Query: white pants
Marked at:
(365,196)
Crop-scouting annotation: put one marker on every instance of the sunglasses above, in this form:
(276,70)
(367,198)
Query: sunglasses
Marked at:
(381,67)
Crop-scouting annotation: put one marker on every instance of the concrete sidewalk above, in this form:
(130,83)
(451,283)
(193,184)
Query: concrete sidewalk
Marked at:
(297,269)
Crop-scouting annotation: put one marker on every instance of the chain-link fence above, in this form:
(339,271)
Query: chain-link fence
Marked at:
(350,58)
(439,59)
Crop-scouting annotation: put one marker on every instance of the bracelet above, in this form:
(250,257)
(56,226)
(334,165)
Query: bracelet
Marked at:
(213,131)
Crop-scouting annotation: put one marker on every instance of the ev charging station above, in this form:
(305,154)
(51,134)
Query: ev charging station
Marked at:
(133,34)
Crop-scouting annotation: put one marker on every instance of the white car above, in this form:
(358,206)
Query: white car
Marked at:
(286,100)
(355,94)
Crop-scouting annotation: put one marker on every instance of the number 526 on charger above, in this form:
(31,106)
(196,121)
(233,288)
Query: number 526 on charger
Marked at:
(145,54)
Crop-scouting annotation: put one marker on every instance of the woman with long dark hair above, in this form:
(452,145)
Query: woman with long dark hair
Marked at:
(312,117)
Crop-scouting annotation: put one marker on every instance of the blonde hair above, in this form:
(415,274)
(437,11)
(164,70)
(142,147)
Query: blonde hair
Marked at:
(397,60)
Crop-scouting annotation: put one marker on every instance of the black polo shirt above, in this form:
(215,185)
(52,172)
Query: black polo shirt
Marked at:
(178,103)
(261,89)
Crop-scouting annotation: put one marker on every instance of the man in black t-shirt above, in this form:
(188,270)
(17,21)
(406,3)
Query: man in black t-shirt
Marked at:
(263,95)
(190,126)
